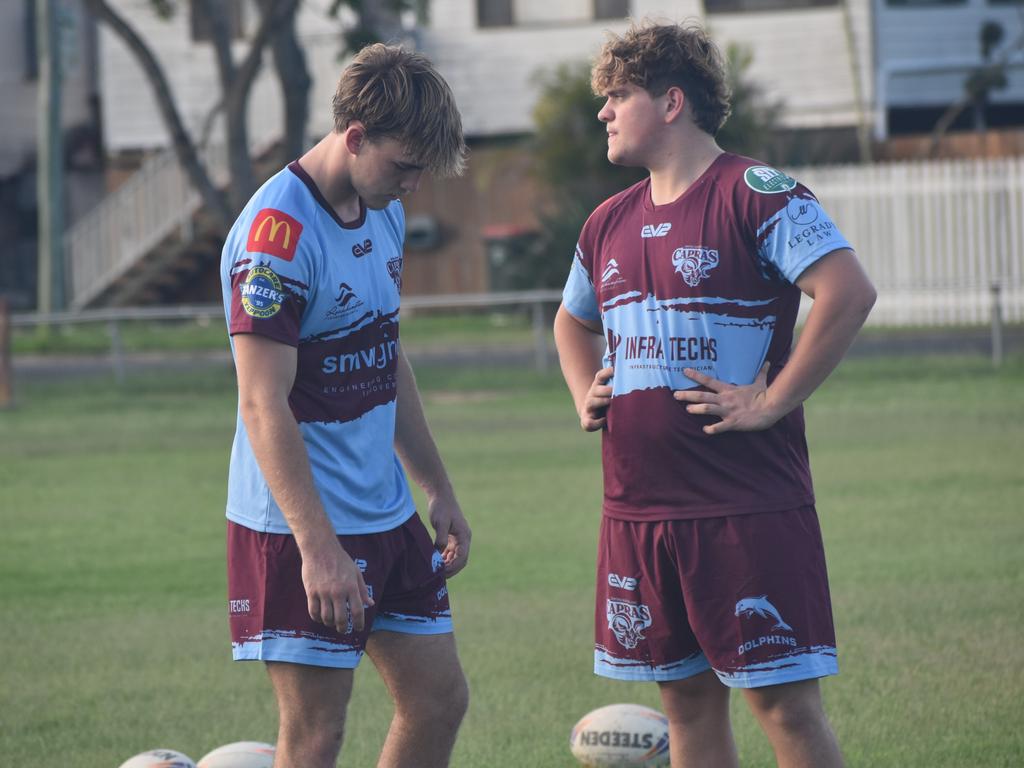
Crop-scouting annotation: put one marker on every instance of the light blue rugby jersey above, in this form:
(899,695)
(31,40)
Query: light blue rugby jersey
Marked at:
(293,272)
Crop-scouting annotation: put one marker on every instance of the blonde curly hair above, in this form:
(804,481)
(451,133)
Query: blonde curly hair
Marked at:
(656,57)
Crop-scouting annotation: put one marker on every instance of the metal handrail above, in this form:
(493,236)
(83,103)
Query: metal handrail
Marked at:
(209,311)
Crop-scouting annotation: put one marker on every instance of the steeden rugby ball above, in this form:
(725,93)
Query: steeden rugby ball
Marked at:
(159,758)
(241,754)
(621,735)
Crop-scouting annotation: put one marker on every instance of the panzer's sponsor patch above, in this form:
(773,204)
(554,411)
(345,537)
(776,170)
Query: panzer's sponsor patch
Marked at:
(261,293)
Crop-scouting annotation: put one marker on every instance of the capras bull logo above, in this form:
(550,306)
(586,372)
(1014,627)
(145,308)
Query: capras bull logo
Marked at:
(628,621)
(694,263)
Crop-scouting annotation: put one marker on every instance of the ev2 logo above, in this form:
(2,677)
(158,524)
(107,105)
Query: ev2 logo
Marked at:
(655,230)
(622,582)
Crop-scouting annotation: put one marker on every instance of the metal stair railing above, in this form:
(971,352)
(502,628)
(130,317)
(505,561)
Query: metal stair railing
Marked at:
(133,219)
(154,202)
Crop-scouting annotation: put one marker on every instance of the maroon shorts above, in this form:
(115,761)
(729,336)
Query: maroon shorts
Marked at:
(745,595)
(267,603)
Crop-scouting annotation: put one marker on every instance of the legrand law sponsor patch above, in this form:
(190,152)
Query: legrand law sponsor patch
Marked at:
(261,293)
(768,181)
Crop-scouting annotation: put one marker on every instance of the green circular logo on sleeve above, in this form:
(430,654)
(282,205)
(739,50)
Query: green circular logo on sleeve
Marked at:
(768,181)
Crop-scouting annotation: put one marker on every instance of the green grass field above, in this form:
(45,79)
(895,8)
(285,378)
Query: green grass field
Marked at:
(112,583)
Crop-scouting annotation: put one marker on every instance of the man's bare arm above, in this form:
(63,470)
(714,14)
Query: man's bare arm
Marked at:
(421,459)
(266,372)
(843,296)
(579,353)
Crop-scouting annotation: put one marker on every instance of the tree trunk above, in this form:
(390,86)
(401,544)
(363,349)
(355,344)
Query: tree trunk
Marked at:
(243,181)
(236,84)
(184,148)
(290,63)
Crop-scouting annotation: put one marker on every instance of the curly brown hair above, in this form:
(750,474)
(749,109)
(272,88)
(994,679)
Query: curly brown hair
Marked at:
(398,94)
(659,56)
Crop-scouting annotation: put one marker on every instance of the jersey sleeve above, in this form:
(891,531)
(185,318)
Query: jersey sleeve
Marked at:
(791,228)
(579,296)
(272,266)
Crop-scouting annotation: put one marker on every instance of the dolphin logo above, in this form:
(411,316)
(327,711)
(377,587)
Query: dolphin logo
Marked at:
(748,606)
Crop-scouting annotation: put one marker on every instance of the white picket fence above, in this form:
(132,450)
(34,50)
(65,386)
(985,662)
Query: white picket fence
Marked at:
(941,240)
(936,237)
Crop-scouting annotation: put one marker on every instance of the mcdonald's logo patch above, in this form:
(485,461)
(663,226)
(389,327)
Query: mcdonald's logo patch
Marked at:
(274,233)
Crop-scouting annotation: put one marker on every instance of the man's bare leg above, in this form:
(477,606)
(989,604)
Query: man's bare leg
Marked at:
(700,734)
(429,689)
(793,718)
(311,703)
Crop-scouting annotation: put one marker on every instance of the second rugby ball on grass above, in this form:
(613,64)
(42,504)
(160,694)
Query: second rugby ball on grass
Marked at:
(621,735)
(241,754)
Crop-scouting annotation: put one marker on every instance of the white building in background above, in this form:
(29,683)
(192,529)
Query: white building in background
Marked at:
(131,120)
(810,55)
(814,55)
(832,63)
(19,77)
(926,48)
(19,113)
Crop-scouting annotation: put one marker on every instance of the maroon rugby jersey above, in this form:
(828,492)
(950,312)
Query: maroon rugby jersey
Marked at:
(704,282)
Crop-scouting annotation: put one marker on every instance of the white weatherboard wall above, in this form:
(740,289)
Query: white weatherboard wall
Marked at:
(925,52)
(130,116)
(935,237)
(800,56)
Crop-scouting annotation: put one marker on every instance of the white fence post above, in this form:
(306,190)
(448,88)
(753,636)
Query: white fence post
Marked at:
(997,326)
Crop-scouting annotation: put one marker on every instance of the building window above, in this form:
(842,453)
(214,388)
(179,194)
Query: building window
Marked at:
(611,9)
(494,13)
(737,6)
(922,3)
(201,23)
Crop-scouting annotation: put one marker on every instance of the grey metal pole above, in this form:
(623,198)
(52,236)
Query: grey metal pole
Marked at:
(50,163)
(997,325)
(6,377)
(116,350)
(540,338)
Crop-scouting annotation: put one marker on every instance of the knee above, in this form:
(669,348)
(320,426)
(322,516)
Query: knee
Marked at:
(310,742)
(696,700)
(443,706)
(788,714)
(452,704)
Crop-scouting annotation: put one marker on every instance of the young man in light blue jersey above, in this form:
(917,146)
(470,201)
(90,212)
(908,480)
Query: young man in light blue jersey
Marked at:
(327,556)
(711,570)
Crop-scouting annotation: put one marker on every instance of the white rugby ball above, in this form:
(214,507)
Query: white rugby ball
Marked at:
(620,735)
(159,758)
(241,754)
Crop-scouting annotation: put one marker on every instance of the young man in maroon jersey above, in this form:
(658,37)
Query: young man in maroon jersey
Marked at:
(711,572)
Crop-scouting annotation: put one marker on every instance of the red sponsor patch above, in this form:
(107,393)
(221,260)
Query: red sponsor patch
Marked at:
(275,233)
